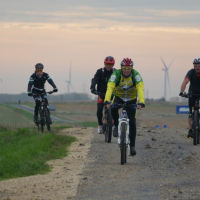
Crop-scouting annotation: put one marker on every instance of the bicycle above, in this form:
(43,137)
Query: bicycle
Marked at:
(123,130)
(107,121)
(195,118)
(44,113)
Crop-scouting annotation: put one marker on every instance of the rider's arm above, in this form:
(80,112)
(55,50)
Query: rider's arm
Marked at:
(140,91)
(30,84)
(96,79)
(50,81)
(110,88)
(185,82)
(139,87)
(111,85)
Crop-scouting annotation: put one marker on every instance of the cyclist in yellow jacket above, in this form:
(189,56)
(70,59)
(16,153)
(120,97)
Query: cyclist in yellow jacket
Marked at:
(128,85)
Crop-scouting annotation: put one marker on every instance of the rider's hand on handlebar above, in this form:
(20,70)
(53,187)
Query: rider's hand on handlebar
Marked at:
(93,91)
(107,104)
(55,90)
(182,94)
(30,94)
(140,106)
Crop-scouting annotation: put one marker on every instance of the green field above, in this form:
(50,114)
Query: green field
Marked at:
(15,117)
(24,152)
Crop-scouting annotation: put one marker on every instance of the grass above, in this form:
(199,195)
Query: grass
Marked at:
(89,124)
(12,116)
(24,152)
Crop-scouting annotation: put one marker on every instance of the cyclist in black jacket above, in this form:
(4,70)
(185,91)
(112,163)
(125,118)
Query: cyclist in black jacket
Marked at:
(37,84)
(192,76)
(101,79)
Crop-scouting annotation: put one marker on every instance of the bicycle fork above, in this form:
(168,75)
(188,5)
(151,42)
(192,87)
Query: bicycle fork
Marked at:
(123,120)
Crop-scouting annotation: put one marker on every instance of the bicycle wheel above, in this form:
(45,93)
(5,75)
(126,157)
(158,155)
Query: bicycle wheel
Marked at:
(41,122)
(196,127)
(109,126)
(125,153)
(123,144)
(47,118)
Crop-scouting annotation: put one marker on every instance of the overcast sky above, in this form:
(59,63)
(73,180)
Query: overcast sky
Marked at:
(85,32)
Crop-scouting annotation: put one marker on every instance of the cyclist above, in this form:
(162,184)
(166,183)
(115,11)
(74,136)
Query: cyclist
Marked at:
(192,76)
(128,84)
(101,79)
(37,84)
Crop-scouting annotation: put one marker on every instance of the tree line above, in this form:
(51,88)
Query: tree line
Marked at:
(23,97)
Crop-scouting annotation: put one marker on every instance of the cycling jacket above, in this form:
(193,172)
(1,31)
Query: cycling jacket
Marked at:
(126,88)
(38,83)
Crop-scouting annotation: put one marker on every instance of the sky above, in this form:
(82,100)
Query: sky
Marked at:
(56,33)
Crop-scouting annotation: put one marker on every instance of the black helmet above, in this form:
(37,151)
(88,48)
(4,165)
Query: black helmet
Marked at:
(39,66)
(196,61)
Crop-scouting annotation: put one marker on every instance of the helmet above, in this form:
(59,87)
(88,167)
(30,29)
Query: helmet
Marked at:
(39,66)
(127,62)
(109,60)
(196,61)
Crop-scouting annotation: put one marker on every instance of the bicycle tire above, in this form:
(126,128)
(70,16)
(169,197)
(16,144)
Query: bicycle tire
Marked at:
(123,144)
(196,127)
(109,126)
(41,122)
(105,123)
(106,127)
(125,154)
(42,126)
(47,118)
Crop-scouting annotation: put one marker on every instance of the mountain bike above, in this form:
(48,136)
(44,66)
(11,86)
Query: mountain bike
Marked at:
(195,118)
(43,113)
(107,121)
(123,130)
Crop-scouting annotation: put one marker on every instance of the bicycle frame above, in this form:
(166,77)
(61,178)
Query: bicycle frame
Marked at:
(43,112)
(124,119)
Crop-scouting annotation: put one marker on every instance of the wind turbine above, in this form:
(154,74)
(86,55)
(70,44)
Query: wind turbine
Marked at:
(166,69)
(69,81)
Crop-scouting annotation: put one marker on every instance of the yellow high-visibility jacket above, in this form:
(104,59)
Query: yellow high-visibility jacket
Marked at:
(125,88)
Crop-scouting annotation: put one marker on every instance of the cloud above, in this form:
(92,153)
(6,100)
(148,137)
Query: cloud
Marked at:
(174,13)
(101,26)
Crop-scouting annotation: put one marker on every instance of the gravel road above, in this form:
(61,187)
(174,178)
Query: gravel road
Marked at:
(166,167)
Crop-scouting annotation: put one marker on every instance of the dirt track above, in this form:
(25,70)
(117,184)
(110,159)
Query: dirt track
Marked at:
(166,167)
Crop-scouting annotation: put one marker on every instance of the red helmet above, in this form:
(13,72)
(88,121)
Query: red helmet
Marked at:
(109,60)
(127,62)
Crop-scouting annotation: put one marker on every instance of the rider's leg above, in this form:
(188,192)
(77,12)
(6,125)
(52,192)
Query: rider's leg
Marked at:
(131,112)
(100,113)
(115,115)
(100,104)
(47,103)
(191,102)
(132,123)
(190,122)
(37,105)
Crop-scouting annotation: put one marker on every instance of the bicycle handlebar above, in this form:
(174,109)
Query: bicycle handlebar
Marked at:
(98,93)
(188,94)
(43,93)
(124,105)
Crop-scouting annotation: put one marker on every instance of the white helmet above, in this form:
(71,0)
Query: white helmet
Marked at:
(196,61)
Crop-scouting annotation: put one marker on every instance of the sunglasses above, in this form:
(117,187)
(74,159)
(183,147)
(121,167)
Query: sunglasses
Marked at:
(39,70)
(127,68)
